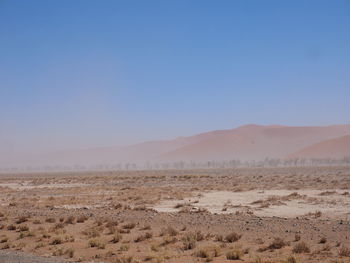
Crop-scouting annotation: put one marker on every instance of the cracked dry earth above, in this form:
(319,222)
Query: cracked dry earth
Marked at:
(296,214)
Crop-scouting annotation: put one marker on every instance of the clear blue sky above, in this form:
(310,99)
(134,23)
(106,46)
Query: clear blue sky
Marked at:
(87,73)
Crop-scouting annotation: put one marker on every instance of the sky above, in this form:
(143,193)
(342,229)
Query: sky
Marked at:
(88,73)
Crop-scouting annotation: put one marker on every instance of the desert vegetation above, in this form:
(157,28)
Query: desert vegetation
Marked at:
(117,217)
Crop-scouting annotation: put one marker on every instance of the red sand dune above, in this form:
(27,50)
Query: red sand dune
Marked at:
(249,142)
(334,148)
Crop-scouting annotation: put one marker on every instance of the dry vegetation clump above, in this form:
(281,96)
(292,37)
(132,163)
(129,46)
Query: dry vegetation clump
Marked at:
(97,243)
(277,243)
(234,254)
(189,241)
(116,238)
(50,220)
(208,252)
(4,239)
(290,259)
(323,240)
(92,232)
(56,241)
(301,247)
(11,227)
(143,237)
(37,222)
(82,219)
(21,220)
(5,246)
(169,231)
(232,237)
(344,251)
(129,226)
(23,228)
(70,220)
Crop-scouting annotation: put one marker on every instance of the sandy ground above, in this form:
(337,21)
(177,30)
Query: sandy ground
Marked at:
(255,215)
(332,203)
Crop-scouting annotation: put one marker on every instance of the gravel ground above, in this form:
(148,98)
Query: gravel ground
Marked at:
(19,257)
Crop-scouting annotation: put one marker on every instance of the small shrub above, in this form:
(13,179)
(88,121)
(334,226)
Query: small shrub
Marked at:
(97,243)
(290,259)
(140,238)
(277,243)
(70,220)
(50,220)
(56,241)
(21,220)
(189,242)
(36,222)
(5,246)
(232,237)
(70,252)
(323,240)
(11,227)
(301,247)
(129,226)
(3,239)
(81,219)
(116,238)
(344,251)
(124,247)
(23,228)
(234,254)
(169,231)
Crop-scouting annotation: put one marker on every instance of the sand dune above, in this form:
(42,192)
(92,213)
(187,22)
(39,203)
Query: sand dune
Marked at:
(334,148)
(248,142)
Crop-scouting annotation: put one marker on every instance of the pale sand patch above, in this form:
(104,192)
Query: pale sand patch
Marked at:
(332,206)
(28,185)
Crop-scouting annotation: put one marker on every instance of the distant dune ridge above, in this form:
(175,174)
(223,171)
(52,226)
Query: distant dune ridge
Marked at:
(248,142)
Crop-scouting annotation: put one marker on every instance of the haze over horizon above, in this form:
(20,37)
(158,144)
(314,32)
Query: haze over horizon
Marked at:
(84,74)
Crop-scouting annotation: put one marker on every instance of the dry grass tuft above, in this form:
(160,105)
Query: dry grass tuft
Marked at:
(301,247)
(232,237)
(234,254)
(344,251)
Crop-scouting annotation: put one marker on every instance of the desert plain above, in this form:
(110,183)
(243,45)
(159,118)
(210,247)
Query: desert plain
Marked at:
(251,214)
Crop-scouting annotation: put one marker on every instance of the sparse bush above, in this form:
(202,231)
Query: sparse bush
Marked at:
(70,252)
(5,246)
(277,243)
(140,238)
(3,239)
(301,247)
(189,242)
(116,238)
(124,247)
(129,226)
(92,232)
(296,237)
(81,219)
(97,243)
(234,254)
(70,220)
(169,231)
(56,241)
(21,220)
(50,220)
(58,226)
(344,251)
(23,228)
(290,259)
(323,240)
(36,222)
(11,227)
(208,252)
(232,237)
